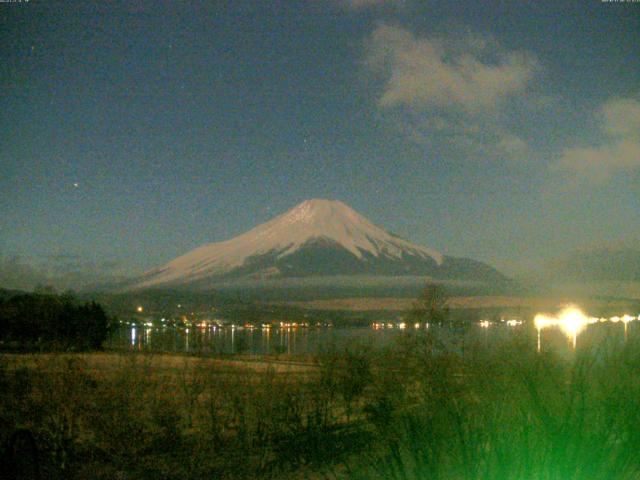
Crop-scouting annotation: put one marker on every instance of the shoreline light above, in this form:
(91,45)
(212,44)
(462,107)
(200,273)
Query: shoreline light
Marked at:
(571,321)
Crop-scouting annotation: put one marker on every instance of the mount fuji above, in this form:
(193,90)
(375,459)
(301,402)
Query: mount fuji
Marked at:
(317,238)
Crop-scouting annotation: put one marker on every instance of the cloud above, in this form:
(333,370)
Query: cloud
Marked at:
(358,4)
(622,117)
(512,147)
(17,274)
(62,271)
(455,88)
(471,73)
(620,121)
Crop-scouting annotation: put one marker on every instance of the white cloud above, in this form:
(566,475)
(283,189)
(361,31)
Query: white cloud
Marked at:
(622,117)
(620,120)
(470,74)
(369,3)
(60,271)
(453,88)
(512,147)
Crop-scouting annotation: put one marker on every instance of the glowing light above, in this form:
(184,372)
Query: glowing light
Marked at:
(139,309)
(543,321)
(573,321)
(513,322)
(484,323)
(402,325)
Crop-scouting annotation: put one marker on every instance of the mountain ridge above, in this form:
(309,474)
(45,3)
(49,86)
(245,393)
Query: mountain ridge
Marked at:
(316,238)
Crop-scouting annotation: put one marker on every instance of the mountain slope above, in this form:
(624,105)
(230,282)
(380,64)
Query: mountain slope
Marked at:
(316,238)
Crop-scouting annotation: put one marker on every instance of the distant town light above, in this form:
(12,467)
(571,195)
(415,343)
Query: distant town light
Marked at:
(139,309)
(571,320)
(543,321)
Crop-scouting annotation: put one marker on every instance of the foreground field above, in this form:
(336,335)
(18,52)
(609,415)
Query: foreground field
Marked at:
(104,364)
(413,411)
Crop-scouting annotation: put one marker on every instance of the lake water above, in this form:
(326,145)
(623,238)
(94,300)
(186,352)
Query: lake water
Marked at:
(214,340)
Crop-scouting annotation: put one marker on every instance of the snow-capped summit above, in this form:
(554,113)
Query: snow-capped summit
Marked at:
(331,220)
(317,237)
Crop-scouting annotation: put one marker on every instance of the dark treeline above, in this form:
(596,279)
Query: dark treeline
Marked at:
(39,320)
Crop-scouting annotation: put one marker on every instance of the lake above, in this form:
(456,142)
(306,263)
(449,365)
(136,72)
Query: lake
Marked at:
(302,341)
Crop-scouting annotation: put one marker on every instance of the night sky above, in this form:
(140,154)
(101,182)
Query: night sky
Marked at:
(132,132)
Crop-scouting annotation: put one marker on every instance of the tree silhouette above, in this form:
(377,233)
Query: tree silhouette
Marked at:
(432,305)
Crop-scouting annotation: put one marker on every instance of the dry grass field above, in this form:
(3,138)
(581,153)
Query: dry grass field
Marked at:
(410,412)
(102,363)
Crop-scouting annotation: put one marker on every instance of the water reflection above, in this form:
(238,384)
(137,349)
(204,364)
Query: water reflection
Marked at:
(236,339)
(570,323)
(233,339)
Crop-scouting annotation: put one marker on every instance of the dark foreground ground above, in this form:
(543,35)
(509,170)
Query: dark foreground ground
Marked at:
(413,411)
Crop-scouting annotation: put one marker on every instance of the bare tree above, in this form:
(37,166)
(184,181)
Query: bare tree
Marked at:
(432,305)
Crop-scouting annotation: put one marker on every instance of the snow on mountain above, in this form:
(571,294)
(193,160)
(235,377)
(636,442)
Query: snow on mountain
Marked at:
(330,224)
